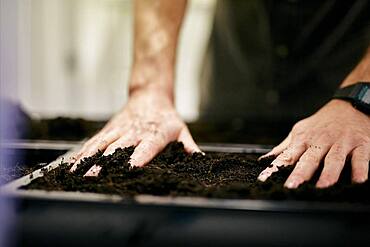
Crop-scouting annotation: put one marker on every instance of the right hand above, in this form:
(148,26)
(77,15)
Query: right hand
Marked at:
(149,121)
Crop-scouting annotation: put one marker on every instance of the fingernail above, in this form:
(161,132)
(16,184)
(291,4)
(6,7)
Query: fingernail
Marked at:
(108,153)
(359,180)
(262,177)
(202,153)
(322,184)
(134,163)
(291,184)
(93,172)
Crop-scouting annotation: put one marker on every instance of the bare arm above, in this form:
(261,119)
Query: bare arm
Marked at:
(157,25)
(149,120)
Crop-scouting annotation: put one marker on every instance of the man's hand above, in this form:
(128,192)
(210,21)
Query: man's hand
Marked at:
(148,121)
(333,134)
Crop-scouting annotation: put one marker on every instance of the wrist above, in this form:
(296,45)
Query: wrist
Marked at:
(343,107)
(151,93)
(152,77)
(358,95)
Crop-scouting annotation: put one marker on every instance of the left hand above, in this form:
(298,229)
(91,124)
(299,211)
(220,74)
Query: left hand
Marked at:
(332,134)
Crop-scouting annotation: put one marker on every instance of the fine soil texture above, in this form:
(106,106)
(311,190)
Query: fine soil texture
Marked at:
(8,174)
(175,173)
(18,162)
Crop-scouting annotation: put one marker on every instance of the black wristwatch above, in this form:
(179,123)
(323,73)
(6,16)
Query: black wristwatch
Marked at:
(358,94)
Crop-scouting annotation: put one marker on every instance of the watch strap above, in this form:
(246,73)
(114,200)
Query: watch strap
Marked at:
(347,93)
(356,94)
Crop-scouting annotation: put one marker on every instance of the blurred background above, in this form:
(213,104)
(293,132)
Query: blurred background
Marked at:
(72,58)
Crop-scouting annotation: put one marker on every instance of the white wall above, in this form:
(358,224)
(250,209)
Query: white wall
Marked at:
(72,57)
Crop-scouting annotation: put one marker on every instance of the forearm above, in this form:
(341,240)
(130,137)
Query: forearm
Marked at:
(360,73)
(156,30)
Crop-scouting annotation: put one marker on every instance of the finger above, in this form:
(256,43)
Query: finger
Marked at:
(147,149)
(78,155)
(92,146)
(122,142)
(102,142)
(286,158)
(278,149)
(265,174)
(125,141)
(306,166)
(93,171)
(333,165)
(360,164)
(188,141)
(77,158)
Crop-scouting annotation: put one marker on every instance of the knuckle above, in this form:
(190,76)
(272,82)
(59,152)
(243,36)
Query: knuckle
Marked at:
(325,136)
(275,149)
(299,167)
(121,142)
(297,126)
(299,134)
(337,149)
(78,155)
(161,136)
(102,141)
(148,146)
(150,143)
(335,159)
(285,157)
(361,153)
(309,158)
(363,141)
(346,134)
(298,148)
(336,153)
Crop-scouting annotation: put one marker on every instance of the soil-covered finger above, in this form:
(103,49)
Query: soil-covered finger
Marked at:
(123,142)
(288,157)
(277,149)
(147,149)
(93,171)
(98,143)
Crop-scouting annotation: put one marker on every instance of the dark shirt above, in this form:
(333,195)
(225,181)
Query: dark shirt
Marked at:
(279,59)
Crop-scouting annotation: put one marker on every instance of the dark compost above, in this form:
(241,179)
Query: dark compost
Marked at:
(175,173)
